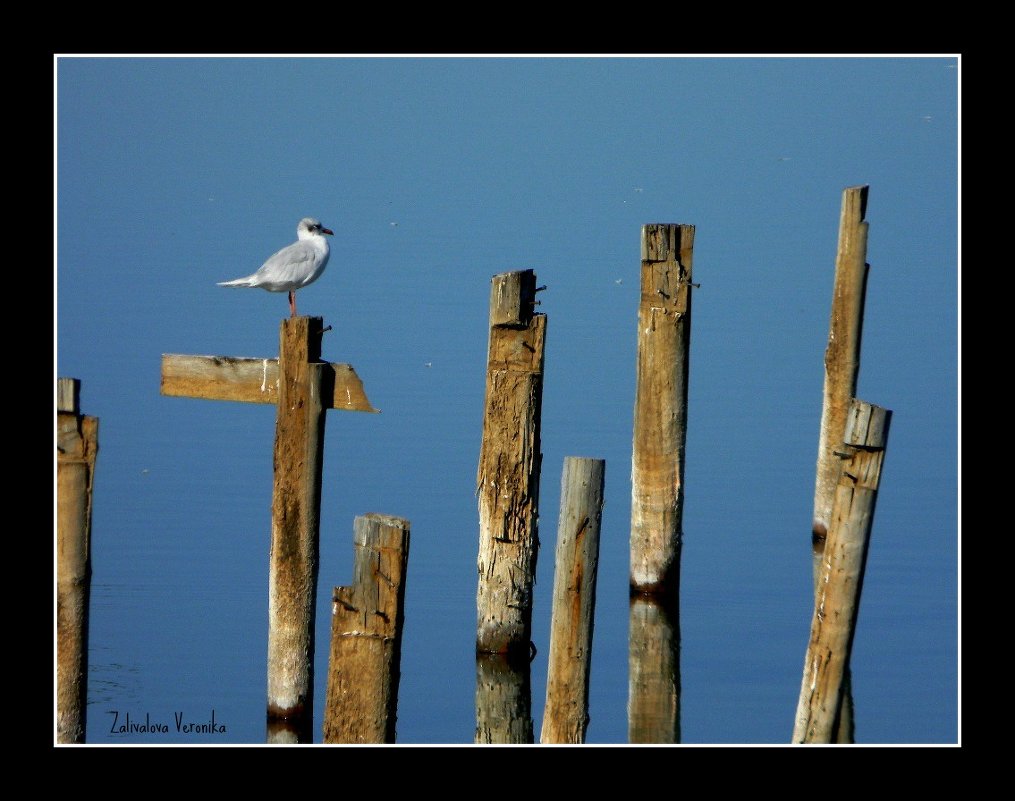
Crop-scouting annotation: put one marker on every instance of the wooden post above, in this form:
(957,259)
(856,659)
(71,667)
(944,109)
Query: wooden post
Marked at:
(842,366)
(845,557)
(509,461)
(366,635)
(302,388)
(503,699)
(295,516)
(565,717)
(660,407)
(653,707)
(842,356)
(77,444)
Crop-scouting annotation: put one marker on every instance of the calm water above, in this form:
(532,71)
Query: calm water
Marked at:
(183,489)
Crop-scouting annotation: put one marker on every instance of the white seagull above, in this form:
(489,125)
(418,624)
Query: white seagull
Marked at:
(295,265)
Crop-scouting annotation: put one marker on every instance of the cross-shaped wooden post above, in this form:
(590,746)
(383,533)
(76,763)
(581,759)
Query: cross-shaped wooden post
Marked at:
(302,387)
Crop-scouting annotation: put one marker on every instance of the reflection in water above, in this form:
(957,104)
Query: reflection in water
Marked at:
(503,699)
(653,706)
(112,682)
(281,732)
(844,729)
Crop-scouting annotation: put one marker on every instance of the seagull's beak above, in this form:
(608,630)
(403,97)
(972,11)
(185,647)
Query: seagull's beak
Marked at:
(327,231)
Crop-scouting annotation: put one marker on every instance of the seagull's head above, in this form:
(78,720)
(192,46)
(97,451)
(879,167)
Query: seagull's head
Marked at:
(311,226)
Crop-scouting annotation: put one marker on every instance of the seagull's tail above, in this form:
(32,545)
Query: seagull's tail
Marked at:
(247,281)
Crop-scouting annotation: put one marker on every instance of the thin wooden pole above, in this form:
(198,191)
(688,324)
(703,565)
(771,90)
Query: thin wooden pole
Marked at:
(842,356)
(845,556)
(366,635)
(503,699)
(660,407)
(565,716)
(295,517)
(509,461)
(653,707)
(77,445)
(842,366)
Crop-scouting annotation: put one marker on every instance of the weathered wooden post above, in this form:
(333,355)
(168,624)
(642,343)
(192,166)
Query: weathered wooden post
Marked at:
(845,557)
(565,716)
(366,635)
(509,461)
(653,705)
(77,444)
(302,387)
(295,526)
(842,356)
(660,407)
(842,366)
(503,699)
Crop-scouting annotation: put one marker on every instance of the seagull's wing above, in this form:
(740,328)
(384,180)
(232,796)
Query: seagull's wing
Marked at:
(289,268)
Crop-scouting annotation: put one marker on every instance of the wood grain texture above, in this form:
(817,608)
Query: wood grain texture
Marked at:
(77,440)
(67,395)
(512,298)
(842,354)
(508,485)
(566,716)
(295,519)
(366,635)
(660,407)
(254,381)
(844,560)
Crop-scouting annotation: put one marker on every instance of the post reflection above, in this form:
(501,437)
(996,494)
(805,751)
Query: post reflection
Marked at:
(503,699)
(653,705)
(288,732)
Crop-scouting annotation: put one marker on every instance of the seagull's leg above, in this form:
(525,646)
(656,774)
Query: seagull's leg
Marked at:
(292,303)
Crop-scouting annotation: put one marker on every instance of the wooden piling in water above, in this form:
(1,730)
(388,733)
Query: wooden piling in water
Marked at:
(366,635)
(503,699)
(509,461)
(302,387)
(842,367)
(842,356)
(660,407)
(843,563)
(653,705)
(565,716)
(295,519)
(77,445)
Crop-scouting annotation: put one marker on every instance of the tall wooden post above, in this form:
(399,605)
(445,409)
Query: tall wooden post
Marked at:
(842,356)
(660,407)
(295,516)
(845,556)
(77,445)
(503,699)
(653,705)
(509,461)
(565,716)
(366,635)
(302,387)
(842,366)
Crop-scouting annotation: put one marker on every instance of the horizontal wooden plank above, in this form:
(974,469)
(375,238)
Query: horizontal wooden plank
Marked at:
(253,381)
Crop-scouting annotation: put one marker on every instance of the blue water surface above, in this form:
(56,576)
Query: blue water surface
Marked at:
(436,174)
